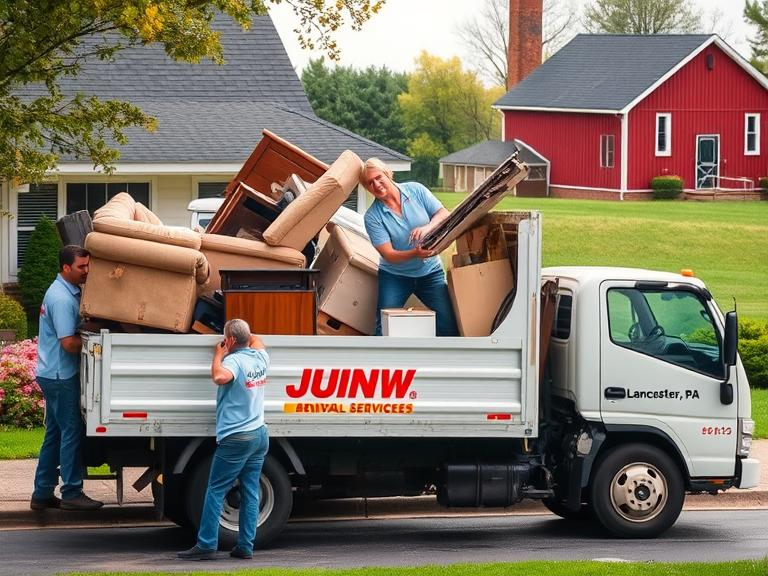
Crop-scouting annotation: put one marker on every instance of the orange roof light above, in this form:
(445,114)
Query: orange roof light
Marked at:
(687,272)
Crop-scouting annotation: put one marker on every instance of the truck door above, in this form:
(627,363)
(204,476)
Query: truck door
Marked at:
(661,367)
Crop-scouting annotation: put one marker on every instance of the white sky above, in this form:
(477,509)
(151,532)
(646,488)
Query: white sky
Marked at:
(396,36)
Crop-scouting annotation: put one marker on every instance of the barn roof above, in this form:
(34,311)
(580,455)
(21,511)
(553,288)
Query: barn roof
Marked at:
(610,72)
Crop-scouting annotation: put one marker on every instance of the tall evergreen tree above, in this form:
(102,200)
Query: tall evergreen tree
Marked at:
(362,101)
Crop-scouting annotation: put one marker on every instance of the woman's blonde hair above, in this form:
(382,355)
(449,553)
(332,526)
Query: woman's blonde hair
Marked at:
(376,164)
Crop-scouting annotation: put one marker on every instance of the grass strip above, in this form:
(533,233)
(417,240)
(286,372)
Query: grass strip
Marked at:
(575,568)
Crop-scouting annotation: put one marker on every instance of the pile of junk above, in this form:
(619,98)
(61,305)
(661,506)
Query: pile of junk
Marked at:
(284,254)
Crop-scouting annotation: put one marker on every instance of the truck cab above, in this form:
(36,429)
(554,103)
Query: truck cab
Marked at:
(642,358)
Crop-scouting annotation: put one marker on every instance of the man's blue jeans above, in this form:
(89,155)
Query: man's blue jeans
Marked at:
(394,291)
(63,440)
(238,456)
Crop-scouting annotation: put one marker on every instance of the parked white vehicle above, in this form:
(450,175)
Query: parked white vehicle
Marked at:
(643,399)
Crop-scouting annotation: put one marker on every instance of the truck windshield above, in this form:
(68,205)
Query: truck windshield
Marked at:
(672,325)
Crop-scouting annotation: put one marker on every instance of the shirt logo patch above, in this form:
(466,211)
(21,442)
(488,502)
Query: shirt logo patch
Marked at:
(42,310)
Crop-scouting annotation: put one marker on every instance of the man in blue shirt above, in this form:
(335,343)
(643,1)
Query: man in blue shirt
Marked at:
(239,369)
(58,362)
(400,216)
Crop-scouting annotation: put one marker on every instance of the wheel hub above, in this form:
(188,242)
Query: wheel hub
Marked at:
(639,492)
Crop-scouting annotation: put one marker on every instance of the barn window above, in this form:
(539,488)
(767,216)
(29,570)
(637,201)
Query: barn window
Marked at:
(752,134)
(606,151)
(664,134)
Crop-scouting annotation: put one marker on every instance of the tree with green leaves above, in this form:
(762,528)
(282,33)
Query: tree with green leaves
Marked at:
(446,109)
(363,101)
(42,40)
(641,17)
(756,13)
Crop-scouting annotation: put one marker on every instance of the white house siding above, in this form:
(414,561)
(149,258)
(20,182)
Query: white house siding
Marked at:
(169,196)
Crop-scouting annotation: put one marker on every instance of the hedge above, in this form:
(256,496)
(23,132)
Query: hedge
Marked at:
(666,187)
(12,316)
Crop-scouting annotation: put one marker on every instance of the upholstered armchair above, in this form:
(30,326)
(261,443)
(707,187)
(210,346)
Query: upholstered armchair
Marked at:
(141,271)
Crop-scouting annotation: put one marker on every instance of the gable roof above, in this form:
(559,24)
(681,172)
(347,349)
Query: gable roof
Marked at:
(227,132)
(492,153)
(210,113)
(610,72)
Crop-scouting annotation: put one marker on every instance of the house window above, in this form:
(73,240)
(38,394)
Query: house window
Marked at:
(751,134)
(41,200)
(606,151)
(664,134)
(211,189)
(94,195)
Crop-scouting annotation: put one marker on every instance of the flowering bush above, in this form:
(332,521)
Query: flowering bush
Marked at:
(21,400)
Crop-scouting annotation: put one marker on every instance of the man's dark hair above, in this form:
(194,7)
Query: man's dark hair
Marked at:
(68,254)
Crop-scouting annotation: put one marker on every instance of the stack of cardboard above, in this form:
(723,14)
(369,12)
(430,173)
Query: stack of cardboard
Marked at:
(347,285)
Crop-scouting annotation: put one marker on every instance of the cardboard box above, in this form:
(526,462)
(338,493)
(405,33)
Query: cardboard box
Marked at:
(347,283)
(408,322)
(327,326)
(477,292)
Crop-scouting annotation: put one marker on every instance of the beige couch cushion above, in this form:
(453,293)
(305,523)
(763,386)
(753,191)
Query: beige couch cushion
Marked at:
(177,259)
(226,252)
(143,214)
(149,232)
(303,218)
(120,206)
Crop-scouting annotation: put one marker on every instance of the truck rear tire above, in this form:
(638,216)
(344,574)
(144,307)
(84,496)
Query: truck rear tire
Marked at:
(637,491)
(275,503)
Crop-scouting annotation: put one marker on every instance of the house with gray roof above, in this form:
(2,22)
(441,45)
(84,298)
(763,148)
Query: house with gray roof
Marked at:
(611,112)
(210,118)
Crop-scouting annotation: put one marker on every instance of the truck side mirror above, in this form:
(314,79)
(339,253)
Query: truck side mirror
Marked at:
(731,340)
(730,348)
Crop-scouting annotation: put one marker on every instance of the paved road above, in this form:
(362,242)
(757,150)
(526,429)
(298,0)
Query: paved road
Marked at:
(697,536)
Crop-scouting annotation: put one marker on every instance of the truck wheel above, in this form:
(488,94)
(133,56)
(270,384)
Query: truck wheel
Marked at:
(275,503)
(637,491)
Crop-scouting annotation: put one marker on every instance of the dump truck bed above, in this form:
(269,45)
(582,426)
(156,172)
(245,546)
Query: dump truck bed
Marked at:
(333,386)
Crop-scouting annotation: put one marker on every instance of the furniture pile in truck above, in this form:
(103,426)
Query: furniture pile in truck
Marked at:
(271,256)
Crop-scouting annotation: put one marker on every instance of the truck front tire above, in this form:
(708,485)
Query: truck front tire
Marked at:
(637,491)
(275,503)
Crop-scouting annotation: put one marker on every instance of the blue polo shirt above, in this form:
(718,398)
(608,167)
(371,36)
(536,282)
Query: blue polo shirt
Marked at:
(59,318)
(240,404)
(417,205)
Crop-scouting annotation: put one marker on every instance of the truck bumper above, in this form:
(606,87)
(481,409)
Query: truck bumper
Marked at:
(750,473)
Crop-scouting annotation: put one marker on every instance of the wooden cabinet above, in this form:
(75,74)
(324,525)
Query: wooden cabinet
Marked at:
(274,312)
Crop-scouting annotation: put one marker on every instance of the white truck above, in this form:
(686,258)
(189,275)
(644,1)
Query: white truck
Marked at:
(642,398)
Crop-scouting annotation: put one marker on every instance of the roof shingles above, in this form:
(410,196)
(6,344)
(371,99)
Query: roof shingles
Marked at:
(601,71)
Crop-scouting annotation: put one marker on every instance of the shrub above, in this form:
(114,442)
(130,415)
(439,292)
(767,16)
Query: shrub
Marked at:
(12,316)
(753,349)
(41,264)
(666,187)
(21,400)
(764,183)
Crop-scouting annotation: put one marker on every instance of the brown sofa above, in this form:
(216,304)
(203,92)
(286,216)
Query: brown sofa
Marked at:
(141,271)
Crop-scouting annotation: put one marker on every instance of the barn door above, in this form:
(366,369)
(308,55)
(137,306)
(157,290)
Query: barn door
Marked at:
(707,161)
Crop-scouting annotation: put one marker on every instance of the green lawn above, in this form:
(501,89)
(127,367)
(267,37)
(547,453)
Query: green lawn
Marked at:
(725,243)
(744,568)
(16,444)
(760,412)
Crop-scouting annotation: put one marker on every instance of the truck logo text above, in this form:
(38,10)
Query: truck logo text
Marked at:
(384,386)
(352,383)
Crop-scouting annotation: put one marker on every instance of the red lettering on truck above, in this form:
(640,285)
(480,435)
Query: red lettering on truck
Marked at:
(352,383)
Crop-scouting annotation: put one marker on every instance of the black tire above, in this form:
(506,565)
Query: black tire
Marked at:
(174,505)
(275,503)
(637,491)
(559,509)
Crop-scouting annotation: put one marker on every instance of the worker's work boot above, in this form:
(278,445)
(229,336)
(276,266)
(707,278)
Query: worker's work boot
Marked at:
(81,502)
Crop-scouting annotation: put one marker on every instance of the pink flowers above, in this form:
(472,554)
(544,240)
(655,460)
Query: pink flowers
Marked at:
(21,400)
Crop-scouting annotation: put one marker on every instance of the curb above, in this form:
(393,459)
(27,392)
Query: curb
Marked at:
(16,515)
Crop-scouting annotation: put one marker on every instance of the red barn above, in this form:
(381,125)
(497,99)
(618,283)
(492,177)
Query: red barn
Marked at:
(610,112)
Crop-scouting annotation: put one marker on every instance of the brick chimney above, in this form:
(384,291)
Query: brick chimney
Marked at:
(524,39)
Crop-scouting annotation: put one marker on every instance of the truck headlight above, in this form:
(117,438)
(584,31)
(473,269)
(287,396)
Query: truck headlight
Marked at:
(746,429)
